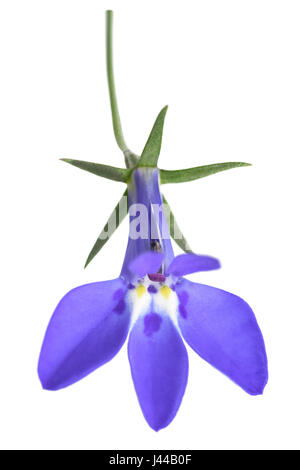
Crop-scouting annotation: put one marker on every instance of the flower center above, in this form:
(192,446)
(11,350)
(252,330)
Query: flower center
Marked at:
(153,297)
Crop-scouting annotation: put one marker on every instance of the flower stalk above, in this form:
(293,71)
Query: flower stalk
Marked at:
(130,157)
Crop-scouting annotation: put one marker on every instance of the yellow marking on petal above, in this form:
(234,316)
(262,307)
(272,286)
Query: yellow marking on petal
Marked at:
(140,290)
(165,291)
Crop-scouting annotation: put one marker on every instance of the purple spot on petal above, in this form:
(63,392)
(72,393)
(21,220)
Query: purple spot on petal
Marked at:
(120,307)
(118,294)
(131,286)
(182,311)
(152,323)
(152,289)
(183,297)
(172,286)
(157,277)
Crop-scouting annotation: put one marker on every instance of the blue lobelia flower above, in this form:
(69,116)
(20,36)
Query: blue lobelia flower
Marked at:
(150,301)
(157,306)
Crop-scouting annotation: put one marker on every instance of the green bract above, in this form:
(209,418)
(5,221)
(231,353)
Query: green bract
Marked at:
(148,158)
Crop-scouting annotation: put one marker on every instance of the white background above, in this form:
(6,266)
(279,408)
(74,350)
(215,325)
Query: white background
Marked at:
(229,71)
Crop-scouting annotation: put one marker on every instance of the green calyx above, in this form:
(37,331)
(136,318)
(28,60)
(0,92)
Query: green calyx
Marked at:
(115,219)
(106,171)
(190,174)
(152,148)
(148,158)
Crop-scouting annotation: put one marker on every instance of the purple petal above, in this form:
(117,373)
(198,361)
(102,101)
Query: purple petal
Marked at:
(222,329)
(159,368)
(87,329)
(191,263)
(148,262)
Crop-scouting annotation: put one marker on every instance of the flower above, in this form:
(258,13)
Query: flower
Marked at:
(153,303)
(150,301)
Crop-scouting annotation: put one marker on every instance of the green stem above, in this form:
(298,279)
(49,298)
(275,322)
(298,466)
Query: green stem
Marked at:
(130,158)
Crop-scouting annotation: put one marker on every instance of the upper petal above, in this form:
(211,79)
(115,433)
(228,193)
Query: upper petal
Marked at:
(191,263)
(159,367)
(87,329)
(222,329)
(148,262)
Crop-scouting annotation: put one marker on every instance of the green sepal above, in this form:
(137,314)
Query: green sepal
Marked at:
(106,171)
(190,174)
(116,217)
(152,148)
(175,230)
